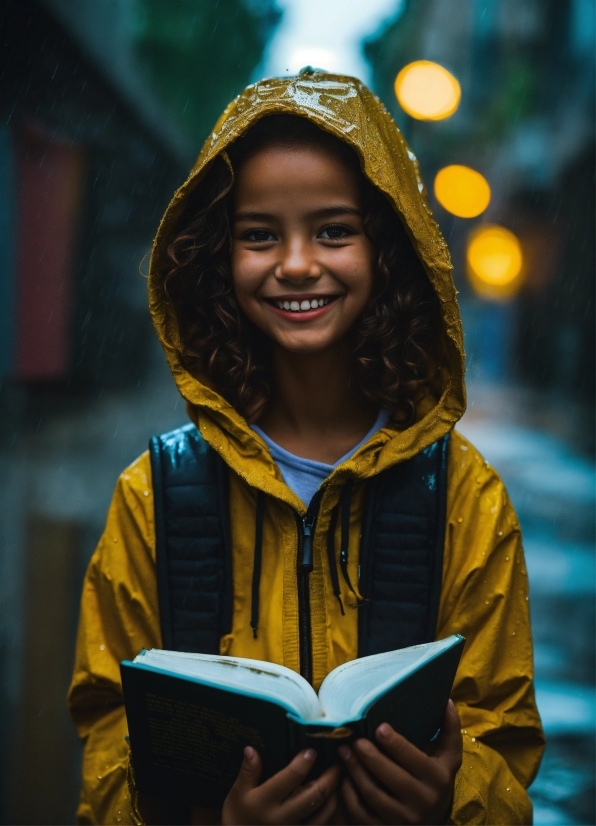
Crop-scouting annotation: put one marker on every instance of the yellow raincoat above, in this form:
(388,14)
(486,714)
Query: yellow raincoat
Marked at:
(484,590)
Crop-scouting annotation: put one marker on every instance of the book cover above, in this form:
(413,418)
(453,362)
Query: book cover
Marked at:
(187,735)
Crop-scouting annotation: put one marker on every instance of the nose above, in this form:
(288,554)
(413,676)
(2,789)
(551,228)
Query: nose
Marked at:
(298,262)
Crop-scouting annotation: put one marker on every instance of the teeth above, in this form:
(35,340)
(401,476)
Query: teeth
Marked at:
(302,306)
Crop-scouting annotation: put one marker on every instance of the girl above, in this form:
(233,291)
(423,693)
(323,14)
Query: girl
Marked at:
(303,296)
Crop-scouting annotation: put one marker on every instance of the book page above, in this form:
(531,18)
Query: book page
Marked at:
(349,689)
(261,679)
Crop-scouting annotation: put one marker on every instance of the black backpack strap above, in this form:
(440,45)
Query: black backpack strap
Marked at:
(401,552)
(401,555)
(192,533)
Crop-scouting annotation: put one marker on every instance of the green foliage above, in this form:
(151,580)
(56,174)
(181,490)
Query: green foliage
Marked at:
(515,99)
(199,54)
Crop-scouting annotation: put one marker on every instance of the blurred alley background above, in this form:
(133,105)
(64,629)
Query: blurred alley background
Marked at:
(104,105)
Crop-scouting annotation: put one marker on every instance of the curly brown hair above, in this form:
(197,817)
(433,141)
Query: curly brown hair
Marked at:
(397,342)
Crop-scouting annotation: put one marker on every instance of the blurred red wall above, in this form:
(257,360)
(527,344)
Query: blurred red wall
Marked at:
(49,178)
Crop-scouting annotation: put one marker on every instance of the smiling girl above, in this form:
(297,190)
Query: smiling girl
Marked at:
(320,506)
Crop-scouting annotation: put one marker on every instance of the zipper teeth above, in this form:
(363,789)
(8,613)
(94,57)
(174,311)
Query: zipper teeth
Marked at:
(305,634)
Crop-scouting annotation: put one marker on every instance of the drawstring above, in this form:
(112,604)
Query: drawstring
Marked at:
(332,562)
(256,570)
(345,505)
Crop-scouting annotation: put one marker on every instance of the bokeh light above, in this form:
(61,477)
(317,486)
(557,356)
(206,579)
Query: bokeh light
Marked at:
(462,191)
(427,91)
(494,262)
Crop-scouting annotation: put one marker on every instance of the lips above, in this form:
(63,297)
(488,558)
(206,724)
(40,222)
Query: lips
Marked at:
(302,307)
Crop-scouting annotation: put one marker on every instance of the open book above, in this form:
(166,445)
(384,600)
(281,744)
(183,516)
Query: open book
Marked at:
(191,715)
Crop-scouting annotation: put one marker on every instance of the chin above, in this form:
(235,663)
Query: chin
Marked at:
(306,348)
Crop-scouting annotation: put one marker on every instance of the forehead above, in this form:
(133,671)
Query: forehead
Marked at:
(289,171)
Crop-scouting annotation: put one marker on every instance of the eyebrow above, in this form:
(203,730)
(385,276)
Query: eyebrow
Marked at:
(326,212)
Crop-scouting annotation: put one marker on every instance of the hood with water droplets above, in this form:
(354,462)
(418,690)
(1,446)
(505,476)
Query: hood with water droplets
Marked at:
(344,107)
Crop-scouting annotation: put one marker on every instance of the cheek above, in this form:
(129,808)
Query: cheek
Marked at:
(246,275)
(359,272)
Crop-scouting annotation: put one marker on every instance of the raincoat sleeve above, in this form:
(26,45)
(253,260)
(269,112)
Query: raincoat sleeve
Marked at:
(485,598)
(118,618)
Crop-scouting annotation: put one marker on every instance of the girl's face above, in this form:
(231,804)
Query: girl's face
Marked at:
(302,266)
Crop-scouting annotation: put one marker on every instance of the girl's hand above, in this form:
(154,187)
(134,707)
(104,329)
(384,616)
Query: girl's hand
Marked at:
(282,798)
(402,784)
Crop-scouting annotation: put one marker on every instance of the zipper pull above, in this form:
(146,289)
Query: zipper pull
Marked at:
(306,565)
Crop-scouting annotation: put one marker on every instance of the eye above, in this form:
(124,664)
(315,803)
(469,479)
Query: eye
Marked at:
(259,235)
(336,232)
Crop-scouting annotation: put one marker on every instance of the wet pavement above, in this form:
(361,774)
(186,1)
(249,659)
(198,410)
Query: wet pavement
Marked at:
(552,488)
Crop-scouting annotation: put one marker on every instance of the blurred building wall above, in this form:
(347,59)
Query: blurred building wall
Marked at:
(88,181)
(526,122)
(92,147)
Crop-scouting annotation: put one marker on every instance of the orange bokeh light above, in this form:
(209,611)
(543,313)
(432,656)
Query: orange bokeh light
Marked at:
(462,191)
(494,262)
(427,91)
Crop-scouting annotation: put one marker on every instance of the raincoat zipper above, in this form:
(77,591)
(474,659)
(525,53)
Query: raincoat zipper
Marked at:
(306,527)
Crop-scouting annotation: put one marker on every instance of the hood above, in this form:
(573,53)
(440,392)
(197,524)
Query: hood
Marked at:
(344,107)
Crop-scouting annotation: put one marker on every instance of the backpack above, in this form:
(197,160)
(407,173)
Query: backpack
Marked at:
(401,552)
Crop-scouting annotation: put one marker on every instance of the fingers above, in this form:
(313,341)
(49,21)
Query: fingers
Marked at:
(325,813)
(413,760)
(250,772)
(447,750)
(282,798)
(401,783)
(314,796)
(282,784)
(450,743)
(383,769)
(354,807)
(387,805)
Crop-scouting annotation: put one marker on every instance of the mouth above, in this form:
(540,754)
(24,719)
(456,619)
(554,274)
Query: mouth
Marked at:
(303,307)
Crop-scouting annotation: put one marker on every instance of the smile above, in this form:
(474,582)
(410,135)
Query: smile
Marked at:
(302,309)
(301,306)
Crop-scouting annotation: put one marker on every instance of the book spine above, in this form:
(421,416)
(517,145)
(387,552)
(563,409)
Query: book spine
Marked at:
(326,741)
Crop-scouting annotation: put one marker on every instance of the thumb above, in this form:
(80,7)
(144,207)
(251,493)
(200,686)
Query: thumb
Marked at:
(450,739)
(250,771)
